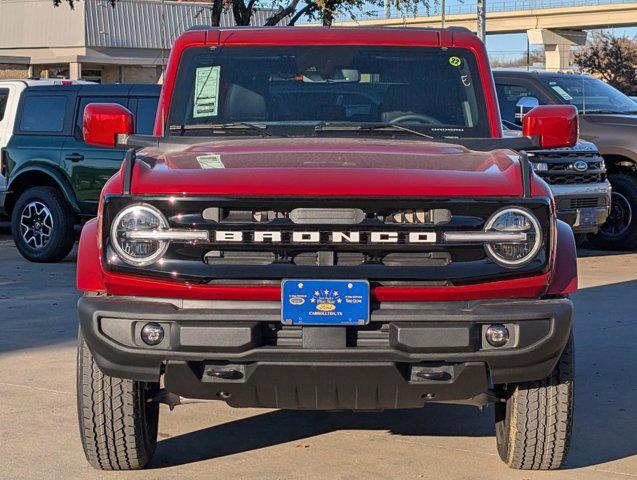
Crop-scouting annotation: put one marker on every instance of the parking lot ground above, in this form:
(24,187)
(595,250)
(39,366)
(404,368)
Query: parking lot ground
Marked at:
(38,424)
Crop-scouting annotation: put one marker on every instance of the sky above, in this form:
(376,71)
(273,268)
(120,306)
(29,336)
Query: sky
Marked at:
(511,46)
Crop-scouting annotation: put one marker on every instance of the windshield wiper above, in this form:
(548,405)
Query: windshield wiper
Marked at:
(238,126)
(367,127)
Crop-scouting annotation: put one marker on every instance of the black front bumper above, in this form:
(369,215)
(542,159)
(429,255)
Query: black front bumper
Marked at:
(410,353)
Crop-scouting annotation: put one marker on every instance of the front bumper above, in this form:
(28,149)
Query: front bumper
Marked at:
(573,200)
(410,353)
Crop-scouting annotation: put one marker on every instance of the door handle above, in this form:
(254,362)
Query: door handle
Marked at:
(75,157)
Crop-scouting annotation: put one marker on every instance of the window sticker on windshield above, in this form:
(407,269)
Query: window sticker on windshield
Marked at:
(210,160)
(455,61)
(206,92)
(562,93)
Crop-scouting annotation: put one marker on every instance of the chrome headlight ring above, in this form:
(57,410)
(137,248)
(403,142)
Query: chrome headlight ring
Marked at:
(522,252)
(135,218)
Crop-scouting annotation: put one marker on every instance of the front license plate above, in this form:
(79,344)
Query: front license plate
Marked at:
(587,216)
(325,302)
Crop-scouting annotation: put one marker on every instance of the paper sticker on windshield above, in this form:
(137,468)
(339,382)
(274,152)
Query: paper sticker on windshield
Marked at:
(206,92)
(562,93)
(455,61)
(210,160)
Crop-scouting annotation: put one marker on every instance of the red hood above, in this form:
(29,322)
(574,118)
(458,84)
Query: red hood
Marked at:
(327,166)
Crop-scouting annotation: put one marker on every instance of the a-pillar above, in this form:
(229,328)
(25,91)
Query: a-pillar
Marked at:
(75,70)
(557,45)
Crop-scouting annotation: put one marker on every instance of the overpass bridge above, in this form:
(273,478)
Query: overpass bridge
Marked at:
(555,24)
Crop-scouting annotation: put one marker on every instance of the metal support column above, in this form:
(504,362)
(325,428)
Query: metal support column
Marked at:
(482,20)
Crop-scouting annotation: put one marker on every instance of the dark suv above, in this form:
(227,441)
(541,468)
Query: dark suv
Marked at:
(53,177)
(608,118)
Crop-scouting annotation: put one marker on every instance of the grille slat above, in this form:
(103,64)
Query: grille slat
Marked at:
(585,202)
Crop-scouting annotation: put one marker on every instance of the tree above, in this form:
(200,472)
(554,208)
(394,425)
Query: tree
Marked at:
(612,59)
(290,11)
(522,61)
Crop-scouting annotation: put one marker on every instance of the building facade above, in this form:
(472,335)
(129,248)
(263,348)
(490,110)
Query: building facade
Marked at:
(95,41)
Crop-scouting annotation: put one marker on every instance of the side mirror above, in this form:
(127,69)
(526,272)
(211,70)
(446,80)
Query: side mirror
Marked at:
(102,122)
(557,126)
(524,106)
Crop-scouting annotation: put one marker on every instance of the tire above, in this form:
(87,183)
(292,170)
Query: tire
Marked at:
(533,427)
(620,230)
(118,426)
(46,209)
(580,239)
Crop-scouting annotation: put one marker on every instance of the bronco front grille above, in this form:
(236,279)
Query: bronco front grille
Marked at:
(400,262)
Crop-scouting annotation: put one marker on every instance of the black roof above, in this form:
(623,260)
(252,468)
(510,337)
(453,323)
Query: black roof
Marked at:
(128,89)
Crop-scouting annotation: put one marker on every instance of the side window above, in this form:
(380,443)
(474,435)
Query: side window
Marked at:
(508,97)
(4,97)
(145,116)
(43,114)
(84,101)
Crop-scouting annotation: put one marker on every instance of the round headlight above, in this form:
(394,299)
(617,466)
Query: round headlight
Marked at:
(517,252)
(138,218)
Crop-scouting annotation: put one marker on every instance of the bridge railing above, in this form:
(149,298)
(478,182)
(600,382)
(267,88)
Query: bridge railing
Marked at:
(457,8)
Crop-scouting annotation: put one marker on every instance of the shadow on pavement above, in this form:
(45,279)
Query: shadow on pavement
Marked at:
(605,423)
(282,426)
(37,302)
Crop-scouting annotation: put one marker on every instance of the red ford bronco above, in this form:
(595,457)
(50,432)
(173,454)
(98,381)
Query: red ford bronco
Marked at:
(327,219)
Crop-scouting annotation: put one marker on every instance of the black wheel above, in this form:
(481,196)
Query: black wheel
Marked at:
(620,230)
(533,427)
(580,239)
(43,225)
(118,425)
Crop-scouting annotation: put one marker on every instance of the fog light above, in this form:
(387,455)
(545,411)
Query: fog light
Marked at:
(497,335)
(152,333)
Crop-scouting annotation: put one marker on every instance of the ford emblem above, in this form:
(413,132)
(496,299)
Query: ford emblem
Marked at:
(580,166)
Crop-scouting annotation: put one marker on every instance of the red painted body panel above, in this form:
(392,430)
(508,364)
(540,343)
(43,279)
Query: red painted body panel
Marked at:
(554,124)
(118,284)
(102,122)
(564,280)
(89,268)
(340,167)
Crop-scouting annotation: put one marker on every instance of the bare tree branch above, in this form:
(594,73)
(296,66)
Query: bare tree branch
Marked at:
(613,59)
(281,14)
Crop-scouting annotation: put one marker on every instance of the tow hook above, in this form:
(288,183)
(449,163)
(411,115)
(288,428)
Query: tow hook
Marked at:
(433,375)
(172,400)
(439,373)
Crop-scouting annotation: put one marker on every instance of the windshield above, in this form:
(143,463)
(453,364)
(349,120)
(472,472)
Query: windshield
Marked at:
(433,90)
(589,94)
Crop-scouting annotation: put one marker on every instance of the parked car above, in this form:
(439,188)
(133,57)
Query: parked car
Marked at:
(304,232)
(10,92)
(577,177)
(53,177)
(608,118)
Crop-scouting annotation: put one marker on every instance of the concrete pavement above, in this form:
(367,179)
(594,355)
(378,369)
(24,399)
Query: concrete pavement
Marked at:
(38,424)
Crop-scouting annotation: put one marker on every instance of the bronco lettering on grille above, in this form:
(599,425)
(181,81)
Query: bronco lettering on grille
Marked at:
(318,237)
